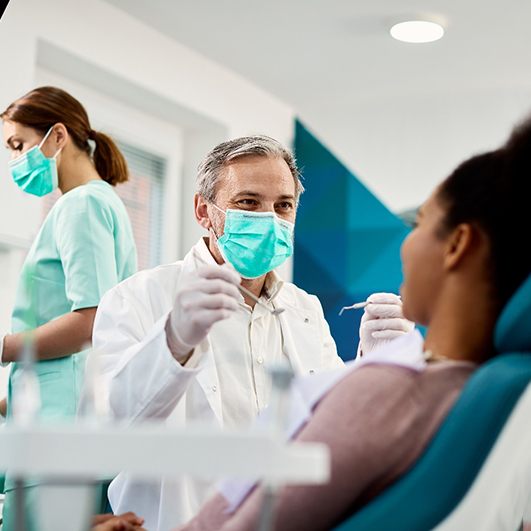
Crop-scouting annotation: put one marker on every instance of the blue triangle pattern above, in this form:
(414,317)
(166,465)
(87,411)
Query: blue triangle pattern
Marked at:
(347,241)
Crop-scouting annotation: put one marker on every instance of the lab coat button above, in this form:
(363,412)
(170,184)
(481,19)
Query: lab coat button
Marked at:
(259,360)
(312,371)
(306,320)
(214,388)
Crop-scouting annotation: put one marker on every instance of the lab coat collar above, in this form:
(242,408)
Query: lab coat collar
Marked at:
(273,285)
(201,251)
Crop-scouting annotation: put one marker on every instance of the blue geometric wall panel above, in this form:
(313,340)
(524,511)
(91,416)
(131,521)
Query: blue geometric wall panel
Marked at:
(347,242)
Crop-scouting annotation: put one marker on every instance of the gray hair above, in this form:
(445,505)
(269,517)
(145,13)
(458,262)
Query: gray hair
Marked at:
(209,171)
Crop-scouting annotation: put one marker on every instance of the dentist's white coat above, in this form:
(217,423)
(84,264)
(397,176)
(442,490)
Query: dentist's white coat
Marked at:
(144,381)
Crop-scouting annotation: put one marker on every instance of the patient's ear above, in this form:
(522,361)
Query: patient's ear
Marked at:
(459,244)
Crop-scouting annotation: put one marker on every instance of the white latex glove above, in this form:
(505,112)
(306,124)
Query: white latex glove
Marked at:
(203,300)
(381,322)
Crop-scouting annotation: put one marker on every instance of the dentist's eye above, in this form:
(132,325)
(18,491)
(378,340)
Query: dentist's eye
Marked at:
(247,202)
(285,205)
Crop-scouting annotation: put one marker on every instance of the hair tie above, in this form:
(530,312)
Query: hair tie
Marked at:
(92,134)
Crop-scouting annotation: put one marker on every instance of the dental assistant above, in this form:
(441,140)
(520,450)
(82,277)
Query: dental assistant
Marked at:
(84,247)
(181,344)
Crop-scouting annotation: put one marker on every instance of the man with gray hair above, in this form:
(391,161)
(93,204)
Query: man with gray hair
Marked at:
(183,343)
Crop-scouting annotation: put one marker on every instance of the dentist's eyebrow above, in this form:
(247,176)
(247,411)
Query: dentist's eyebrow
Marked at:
(248,194)
(289,196)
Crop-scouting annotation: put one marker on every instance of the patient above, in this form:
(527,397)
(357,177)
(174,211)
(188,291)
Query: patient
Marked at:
(460,268)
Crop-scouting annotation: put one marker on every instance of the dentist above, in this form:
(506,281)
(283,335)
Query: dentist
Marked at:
(180,342)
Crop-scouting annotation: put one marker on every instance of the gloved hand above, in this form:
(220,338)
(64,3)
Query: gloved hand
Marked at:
(204,299)
(381,322)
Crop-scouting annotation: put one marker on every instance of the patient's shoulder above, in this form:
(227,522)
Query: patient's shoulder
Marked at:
(389,382)
(394,399)
(378,380)
(381,418)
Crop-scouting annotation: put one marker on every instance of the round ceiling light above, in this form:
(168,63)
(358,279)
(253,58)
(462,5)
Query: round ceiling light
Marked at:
(417,31)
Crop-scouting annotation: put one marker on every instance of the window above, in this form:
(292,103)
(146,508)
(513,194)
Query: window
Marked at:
(142,196)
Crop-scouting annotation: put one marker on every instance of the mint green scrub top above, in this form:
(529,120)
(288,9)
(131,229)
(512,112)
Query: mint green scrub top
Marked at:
(84,248)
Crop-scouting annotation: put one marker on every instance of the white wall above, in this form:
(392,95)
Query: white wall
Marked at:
(401,146)
(99,49)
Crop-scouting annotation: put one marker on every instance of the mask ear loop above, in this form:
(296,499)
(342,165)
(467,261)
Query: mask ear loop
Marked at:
(216,237)
(44,140)
(212,228)
(220,209)
(46,136)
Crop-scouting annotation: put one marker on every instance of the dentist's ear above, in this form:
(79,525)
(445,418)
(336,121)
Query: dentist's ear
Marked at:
(201,212)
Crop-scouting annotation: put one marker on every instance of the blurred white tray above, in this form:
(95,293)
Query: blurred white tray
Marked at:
(153,451)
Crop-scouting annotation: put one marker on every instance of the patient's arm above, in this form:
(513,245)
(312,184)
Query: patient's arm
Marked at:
(376,422)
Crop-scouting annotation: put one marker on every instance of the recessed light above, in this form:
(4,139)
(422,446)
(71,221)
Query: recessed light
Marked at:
(417,31)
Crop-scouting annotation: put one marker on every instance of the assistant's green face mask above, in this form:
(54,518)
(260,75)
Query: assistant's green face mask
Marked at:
(255,243)
(35,173)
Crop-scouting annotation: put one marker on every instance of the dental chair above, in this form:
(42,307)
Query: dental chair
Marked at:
(476,472)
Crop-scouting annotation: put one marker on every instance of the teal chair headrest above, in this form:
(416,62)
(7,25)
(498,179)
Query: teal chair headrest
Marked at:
(513,329)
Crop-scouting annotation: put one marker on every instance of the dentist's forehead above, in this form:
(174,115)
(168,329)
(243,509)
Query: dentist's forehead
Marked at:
(257,175)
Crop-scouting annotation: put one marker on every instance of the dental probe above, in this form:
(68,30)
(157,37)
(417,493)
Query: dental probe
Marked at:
(356,306)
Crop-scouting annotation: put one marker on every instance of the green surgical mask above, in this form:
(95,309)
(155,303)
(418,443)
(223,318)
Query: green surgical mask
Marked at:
(33,172)
(255,243)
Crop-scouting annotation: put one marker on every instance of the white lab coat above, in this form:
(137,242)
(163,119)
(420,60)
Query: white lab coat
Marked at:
(144,381)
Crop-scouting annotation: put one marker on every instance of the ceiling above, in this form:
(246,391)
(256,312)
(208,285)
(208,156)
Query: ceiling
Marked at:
(334,62)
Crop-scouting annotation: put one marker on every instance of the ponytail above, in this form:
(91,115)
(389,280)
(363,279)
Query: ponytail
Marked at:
(108,160)
(43,107)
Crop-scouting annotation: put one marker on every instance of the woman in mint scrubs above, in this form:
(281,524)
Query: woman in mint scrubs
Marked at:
(84,247)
